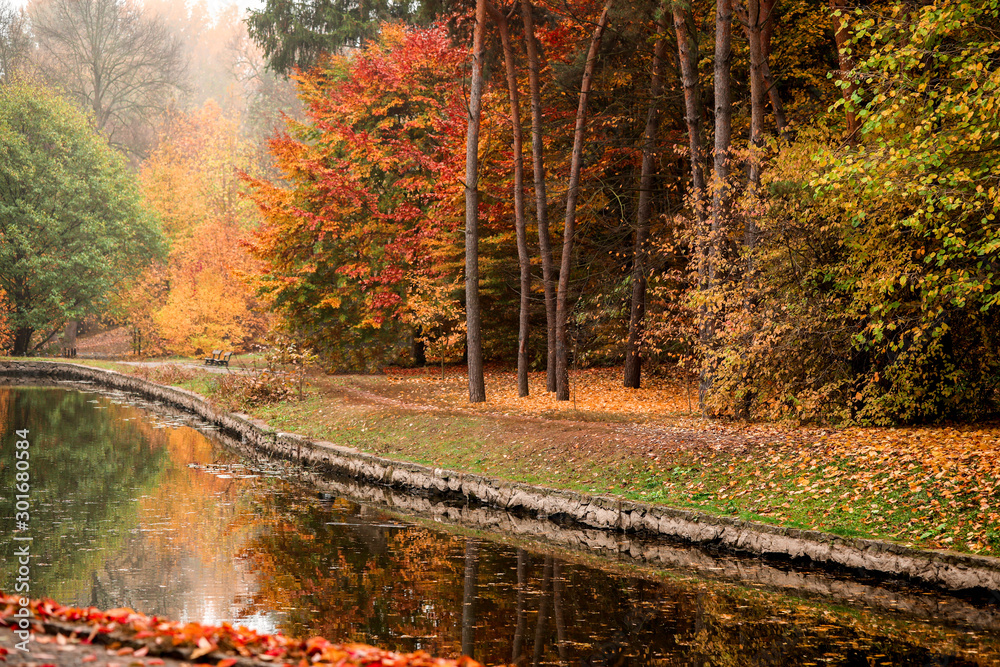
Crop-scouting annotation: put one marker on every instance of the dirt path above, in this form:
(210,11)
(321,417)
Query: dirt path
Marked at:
(185,364)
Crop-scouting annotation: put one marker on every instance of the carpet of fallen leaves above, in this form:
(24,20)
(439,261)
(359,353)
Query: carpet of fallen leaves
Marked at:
(596,394)
(928,486)
(932,486)
(140,636)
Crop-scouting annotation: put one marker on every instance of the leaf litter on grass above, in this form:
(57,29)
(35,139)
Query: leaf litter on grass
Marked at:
(935,486)
(596,394)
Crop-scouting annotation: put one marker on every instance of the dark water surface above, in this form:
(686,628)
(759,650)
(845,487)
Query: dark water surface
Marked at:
(132,508)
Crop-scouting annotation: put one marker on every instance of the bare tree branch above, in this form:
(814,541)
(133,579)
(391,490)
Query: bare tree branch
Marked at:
(120,64)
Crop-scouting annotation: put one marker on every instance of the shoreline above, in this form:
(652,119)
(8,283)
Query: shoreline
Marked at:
(944,569)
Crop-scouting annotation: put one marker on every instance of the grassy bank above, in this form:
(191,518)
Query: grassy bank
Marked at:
(933,487)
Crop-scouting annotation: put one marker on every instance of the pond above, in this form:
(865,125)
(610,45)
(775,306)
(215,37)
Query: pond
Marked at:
(141,508)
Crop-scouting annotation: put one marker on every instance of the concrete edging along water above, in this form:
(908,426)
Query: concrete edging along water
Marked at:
(945,569)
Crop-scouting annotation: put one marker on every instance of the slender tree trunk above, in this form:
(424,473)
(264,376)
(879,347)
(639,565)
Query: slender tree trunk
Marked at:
(721,195)
(524,262)
(569,229)
(687,55)
(477,383)
(541,197)
(841,33)
(687,49)
(469,598)
(633,358)
(768,8)
(753,27)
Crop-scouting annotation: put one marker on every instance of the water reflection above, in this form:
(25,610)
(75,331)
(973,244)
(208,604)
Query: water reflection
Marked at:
(134,509)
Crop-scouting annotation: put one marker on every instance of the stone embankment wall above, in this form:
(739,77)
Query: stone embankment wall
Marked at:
(658,554)
(938,568)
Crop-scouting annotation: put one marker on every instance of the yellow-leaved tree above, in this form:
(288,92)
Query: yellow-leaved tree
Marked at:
(197,301)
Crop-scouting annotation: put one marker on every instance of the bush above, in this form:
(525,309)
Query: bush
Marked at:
(246,392)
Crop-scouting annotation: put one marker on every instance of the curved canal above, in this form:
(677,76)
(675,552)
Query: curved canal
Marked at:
(142,509)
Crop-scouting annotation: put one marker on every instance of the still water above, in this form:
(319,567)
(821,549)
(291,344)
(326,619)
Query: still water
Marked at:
(136,508)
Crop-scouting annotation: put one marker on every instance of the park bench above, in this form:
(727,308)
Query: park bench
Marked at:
(218,358)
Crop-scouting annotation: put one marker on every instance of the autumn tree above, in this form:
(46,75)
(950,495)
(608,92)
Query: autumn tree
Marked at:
(198,301)
(368,182)
(841,19)
(5,328)
(875,301)
(72,225)
(922,250)
(114,60)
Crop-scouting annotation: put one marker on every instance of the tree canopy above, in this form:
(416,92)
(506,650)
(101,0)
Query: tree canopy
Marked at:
(363,208)
(120,63)
(72,225)
(295,34)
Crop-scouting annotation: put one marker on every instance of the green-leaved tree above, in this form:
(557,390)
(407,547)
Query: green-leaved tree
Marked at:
(295,34)
(72,224)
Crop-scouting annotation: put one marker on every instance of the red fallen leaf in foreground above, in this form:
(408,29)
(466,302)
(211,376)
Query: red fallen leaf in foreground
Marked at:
(225,639)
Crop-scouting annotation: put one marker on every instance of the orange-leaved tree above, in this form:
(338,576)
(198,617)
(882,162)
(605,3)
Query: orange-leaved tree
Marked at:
(369,185)
(198,300)
(5,329)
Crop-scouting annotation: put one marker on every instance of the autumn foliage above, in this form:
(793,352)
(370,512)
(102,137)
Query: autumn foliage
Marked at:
(198,301)
(225,643)
(819,247)
(366,201)
(5,329)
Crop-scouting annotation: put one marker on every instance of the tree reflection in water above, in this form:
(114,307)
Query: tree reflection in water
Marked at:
(409,587)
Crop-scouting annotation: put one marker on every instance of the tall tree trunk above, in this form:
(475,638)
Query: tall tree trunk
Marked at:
(524,262)
(768,7)
(541,197)
(569,229)
(477,383)
(721,195)
(841,33)
(687,49)
(753,26)
(687,55)
(633,358)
